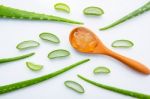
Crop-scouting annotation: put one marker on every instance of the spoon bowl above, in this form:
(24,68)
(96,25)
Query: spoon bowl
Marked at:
(84,40)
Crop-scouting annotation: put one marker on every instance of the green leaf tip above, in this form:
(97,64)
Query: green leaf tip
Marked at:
(117,90)
(133,14)
(22,84)
(27,15)
(5,60)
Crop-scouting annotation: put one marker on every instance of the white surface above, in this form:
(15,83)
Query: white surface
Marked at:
(15,31)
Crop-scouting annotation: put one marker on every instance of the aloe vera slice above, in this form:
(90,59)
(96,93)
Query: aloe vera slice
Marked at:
(62,7)
(93,11)
(122,44)
(74,86)
(99,70)
(27,44)
(34,67)
(49,37)
(58,53)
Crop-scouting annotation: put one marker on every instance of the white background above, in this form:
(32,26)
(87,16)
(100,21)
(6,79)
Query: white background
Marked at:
(14,31)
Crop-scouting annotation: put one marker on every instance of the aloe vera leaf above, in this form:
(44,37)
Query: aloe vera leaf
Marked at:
(26,83)
(13,13)
(117,90)
(131,15)
(5,60)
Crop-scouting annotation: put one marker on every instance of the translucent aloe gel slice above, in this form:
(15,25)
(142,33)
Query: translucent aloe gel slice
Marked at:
(27,44)
(58,53)
(34,67)
(74,86)
(99,70)
(62,7)
(93,11)
(122,44)
(49,37)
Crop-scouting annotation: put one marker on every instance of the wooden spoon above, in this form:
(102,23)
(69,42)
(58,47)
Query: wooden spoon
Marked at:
(84,40)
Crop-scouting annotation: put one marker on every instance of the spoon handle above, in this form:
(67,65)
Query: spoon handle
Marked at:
(130,62)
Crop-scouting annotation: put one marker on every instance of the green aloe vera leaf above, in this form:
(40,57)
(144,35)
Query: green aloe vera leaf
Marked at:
(13,13)
(133,14)
(26,83)
(117,90)
(5,60)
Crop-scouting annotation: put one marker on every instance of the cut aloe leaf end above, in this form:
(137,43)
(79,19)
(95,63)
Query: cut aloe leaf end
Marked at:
(62,7)
(101,69)
(49,37)
(96,11)
(74,86)
(58,53)
(27,44)
(122,44)
(34,67)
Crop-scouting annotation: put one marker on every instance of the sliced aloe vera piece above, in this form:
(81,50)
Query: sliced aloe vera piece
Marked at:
(99,70)
(34,67)
(62,7)
(122,44)
(49,37)
(27,44)
(93,11)
(74,86)
(58,53)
